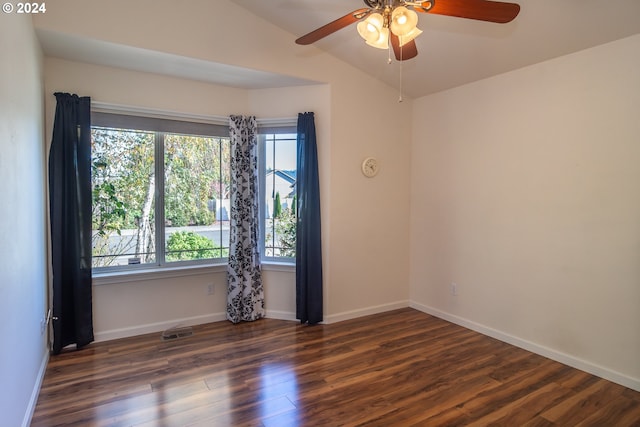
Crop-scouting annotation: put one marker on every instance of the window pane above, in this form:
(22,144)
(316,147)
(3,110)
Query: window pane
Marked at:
(196,197)
(280,195)
(123,184)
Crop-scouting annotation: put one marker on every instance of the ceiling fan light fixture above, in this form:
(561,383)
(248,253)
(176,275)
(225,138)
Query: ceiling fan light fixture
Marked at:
(403,21)
(383,40)
(371,28)
(408,37)
(394,22)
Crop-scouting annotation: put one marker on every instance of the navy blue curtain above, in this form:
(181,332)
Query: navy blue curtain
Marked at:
(70,217)
(308,232)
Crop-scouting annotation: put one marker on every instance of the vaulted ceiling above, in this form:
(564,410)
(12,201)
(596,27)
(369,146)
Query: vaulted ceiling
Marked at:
(455,51)
(452,51)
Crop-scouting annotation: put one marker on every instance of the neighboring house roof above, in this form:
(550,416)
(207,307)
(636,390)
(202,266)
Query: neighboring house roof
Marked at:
(289,177)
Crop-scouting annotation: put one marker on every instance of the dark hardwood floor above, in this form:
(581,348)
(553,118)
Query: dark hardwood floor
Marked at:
(399,368)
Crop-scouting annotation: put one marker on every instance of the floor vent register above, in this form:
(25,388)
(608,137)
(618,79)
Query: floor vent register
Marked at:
(176,333)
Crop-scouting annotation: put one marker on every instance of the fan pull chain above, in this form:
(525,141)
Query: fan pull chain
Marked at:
(401,58)
(389,61)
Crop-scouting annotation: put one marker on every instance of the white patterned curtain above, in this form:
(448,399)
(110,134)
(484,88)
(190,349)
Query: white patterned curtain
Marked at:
(245,293)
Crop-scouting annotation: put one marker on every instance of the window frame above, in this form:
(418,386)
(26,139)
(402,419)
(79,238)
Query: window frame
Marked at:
(160,127)
(107,115)
(288,127)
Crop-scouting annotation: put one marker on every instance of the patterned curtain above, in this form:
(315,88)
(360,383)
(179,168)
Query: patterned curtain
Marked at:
(245,293)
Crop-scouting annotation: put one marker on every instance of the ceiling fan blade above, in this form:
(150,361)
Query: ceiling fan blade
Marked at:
(333,26)
(482,10)
(407,51)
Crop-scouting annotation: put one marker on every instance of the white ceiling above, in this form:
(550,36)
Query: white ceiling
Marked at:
(452,51)
(455,51)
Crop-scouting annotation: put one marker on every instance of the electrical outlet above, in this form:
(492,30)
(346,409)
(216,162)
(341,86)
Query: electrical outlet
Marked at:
(210,289)
(454,289)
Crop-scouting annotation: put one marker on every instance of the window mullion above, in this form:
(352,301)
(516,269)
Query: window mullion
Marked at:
(159,205)
(273,197)
(262,156)
(221,195)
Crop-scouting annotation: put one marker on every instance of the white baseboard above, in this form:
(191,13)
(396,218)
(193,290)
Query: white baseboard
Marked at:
(600,371)
(26,422)
(574,362)
(352,314)
(281,315)
(157,327)
(150,328)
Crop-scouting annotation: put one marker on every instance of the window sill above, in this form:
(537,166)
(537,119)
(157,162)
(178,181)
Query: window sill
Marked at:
(279,266)
(137,275)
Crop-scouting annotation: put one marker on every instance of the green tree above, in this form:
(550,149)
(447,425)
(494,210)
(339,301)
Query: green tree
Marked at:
(196,173)
(294,204)
(122,174)
(277,206)
(122,160)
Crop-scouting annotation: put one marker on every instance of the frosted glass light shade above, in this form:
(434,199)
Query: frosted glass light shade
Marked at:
(408,37)
(370,28)
(383,41)
(403,21)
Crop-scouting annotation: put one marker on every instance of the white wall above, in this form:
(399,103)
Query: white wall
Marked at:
(357,277)
(23,272)
(148,304)
(525,193)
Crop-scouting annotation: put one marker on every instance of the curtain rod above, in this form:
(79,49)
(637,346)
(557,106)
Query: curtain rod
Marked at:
(104,107)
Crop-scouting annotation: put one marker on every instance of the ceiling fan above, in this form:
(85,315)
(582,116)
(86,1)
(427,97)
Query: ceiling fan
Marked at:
(394,21)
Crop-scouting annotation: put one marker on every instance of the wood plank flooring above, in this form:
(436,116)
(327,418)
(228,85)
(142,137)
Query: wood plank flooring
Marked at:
(400,368)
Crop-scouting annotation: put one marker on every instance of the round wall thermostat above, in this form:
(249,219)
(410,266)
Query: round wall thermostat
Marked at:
(370,167)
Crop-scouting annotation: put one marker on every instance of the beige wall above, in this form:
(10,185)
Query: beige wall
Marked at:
(525,194)
(23,271)
(369,250)
(357,276)
(134,305)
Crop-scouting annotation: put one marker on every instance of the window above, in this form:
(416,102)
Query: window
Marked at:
(278,173)
(160,192)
